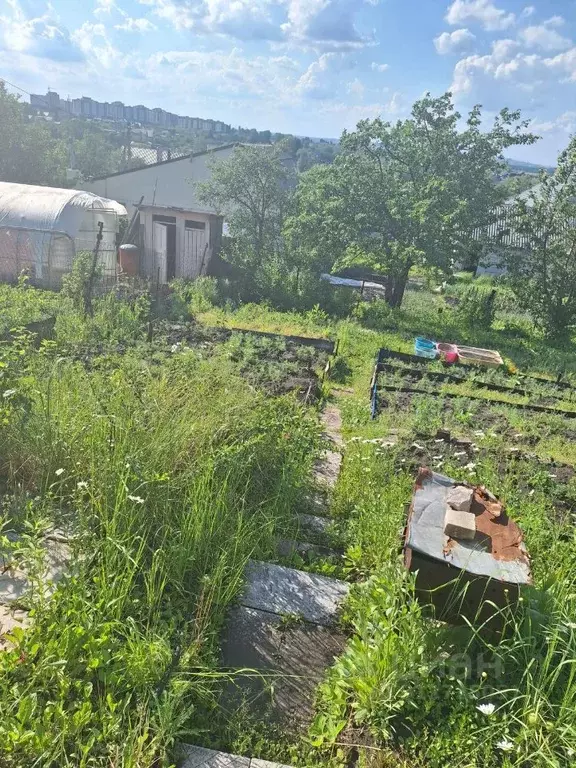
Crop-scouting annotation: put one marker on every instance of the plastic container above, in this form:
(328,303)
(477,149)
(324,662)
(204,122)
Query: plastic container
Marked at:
(129,259)
(477,356)
(425,348)
(448,352)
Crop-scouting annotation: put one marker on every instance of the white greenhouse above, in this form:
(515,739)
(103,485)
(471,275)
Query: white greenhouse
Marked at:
(43,228)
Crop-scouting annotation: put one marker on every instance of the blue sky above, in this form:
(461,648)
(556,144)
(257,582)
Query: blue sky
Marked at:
(311,67)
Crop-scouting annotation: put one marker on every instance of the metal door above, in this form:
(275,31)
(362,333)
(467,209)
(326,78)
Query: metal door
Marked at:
(159,236)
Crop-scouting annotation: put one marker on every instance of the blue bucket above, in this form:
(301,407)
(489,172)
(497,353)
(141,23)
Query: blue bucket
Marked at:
(425,348)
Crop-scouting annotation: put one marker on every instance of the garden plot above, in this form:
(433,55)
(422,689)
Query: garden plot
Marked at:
(390,378)
(270,362)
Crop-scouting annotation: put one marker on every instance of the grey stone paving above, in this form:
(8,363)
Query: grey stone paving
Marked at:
(289,658)
(288,592)
(198,757)
(9,619)
(307,551)
(327,469)
(332,422)
(14,575)
(314,524)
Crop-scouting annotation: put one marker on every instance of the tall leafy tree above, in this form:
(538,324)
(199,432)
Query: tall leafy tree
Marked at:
(29,154)
(252,189)
(407,193)
(538,245)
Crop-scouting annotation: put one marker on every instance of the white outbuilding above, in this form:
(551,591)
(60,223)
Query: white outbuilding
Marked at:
(42,229)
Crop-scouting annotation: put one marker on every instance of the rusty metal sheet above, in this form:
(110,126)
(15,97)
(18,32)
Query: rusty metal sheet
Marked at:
(497,551)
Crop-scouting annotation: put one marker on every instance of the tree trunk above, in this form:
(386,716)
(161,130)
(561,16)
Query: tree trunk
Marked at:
(397,286)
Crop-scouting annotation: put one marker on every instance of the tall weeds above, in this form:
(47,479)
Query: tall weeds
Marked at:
(169,480)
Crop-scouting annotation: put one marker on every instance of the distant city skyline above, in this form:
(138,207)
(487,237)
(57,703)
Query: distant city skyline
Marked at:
(87,107)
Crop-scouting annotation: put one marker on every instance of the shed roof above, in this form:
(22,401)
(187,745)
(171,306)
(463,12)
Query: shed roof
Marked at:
(178,159)
(25,206)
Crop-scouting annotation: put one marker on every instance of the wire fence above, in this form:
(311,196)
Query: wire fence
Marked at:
(46,256)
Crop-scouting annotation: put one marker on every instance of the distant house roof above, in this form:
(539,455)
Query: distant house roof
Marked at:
(25,206)
(179,159)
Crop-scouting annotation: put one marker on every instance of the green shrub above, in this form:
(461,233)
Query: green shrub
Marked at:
(477,307)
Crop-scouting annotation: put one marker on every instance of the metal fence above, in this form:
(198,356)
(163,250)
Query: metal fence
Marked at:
(46,256)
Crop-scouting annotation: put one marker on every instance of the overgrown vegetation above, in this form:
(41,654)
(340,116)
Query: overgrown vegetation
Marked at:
(169,463)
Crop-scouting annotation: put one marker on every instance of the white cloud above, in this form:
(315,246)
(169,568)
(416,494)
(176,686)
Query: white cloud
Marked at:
(314,82)
(92,39)
(40,36)
(351,115)
(105,6)
(136,25)
(507,76)
(380,67)
(483,12)
(555,21)
(328,25)
(541,36)
(454,42)
(356,88)
(530,10)
(242,19)
(565,122)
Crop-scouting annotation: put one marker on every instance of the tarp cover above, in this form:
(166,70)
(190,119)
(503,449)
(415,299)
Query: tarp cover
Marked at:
(24,206)
(350,282)
(425,534)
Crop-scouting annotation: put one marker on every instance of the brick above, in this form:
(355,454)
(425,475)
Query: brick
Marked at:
(460,498)
(459,525)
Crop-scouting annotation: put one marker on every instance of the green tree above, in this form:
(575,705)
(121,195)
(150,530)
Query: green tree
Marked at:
(29,154)
(405,193)
(542,251)
(252,189)
(95,155)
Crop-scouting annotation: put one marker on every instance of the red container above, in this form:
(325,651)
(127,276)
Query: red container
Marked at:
(129,259)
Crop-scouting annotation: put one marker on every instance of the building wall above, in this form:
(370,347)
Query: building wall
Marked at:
(185,267)
(170,185)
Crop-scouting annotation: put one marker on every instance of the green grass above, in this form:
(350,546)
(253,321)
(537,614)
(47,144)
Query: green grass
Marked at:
(172,478)
(179,466)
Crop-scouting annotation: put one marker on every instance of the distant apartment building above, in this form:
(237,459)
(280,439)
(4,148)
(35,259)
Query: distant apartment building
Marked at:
(117,110)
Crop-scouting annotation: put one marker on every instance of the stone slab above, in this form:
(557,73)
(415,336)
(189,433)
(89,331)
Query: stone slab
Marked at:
(314,524)
(288,592)
(288,659)
(14,578)
(332,423)
(9,619)
(327,469)
(307,551)
(199,757)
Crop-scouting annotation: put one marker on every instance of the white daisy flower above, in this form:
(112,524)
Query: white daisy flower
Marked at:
(136,499)
(59,472)
(505,745)
(486,709)
(82,484)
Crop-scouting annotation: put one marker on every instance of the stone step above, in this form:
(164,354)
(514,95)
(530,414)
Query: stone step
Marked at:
(314,524)
(289,592)
(327,469)
(307,551)
(199,757)
(279,663)
(332,423)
